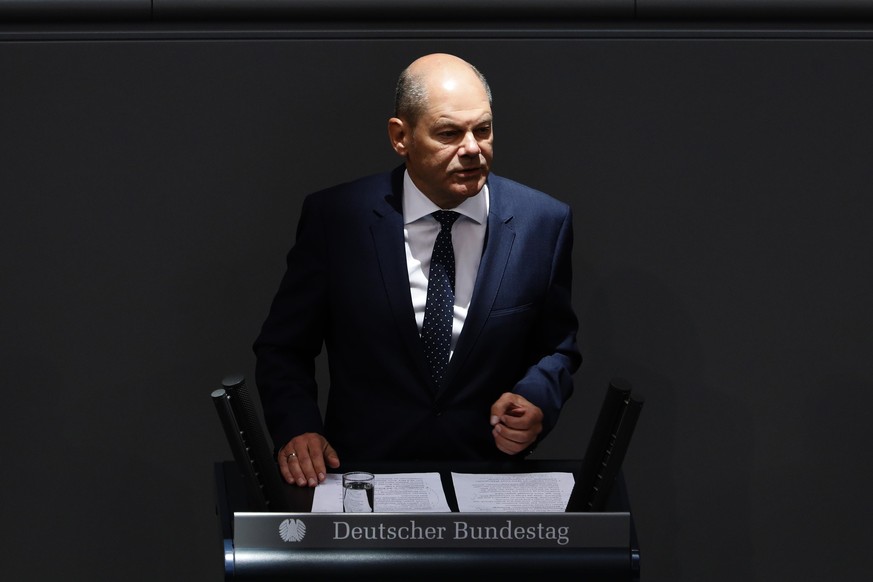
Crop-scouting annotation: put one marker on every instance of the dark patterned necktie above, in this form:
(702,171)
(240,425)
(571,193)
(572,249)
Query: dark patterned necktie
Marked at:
(436,331)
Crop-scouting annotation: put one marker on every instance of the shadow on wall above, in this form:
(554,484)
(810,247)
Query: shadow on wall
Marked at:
(693,438)
(823,480)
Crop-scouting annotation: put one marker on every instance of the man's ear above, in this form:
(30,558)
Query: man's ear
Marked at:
(397,133)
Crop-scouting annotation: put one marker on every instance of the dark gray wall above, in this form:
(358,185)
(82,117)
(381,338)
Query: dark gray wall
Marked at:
(149,188)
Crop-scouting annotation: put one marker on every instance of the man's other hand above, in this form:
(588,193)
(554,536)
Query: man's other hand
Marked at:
(302,460)
(517,422)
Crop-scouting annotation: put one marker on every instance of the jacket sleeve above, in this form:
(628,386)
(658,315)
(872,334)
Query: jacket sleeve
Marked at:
(293,335)
(548,383)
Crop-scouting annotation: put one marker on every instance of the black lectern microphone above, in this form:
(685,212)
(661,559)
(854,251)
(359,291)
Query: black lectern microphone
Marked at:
(244,462)
(249,445)
(606,449)
(615,455)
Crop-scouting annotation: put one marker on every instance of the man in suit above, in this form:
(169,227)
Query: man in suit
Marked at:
(463,351)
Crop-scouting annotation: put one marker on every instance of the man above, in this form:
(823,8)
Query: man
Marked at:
(445,341)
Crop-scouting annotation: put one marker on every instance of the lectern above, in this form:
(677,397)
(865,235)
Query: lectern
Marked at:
(298,545)
(269,533)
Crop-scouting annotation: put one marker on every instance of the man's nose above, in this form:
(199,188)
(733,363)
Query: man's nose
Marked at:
(470,146)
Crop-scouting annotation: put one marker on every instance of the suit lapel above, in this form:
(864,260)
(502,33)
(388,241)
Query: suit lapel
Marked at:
(387,232)
(498,246)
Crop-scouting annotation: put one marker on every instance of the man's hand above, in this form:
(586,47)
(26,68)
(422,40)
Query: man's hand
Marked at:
(517,422)
(302,460)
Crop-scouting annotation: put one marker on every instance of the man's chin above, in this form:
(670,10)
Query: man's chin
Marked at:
(469,184)
(467,192)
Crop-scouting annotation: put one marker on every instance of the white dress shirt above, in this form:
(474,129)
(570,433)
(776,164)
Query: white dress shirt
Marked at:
(420,230)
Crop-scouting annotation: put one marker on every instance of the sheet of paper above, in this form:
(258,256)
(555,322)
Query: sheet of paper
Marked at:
(394,493)
(513,492)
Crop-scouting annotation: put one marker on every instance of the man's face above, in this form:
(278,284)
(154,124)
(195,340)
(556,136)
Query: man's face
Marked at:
(448,152)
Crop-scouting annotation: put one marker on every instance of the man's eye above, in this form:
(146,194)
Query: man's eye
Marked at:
(447,134)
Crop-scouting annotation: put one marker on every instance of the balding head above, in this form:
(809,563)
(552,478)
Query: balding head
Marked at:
(443,128)
(410,98)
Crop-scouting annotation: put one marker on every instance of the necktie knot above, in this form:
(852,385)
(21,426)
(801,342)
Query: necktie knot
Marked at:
(446,218)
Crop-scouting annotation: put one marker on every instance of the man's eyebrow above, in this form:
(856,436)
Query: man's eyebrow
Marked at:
(446,122)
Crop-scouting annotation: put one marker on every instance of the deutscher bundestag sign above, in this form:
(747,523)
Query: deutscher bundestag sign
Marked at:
(289,531)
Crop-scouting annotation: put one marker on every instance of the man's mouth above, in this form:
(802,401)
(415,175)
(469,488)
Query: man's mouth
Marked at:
(468,172)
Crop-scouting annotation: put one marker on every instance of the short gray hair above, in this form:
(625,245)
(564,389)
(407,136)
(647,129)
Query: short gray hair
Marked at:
(410,97)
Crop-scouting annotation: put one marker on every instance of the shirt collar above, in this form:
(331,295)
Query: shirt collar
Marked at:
(416,205)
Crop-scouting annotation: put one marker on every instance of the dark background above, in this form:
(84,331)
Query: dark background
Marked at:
(150,183)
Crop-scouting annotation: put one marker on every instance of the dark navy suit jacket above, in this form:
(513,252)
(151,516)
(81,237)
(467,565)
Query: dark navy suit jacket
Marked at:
(347,288)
